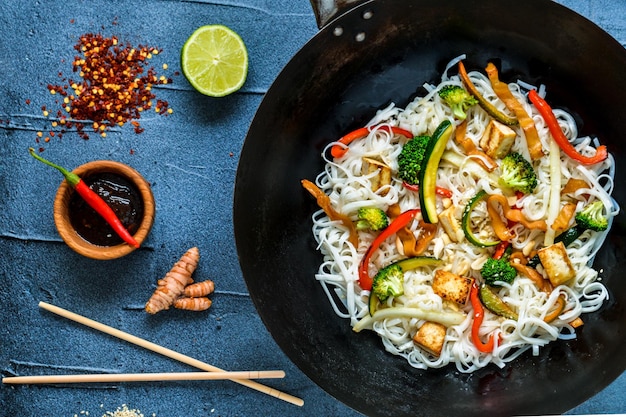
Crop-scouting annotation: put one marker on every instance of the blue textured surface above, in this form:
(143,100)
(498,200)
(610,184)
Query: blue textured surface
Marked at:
(191,159)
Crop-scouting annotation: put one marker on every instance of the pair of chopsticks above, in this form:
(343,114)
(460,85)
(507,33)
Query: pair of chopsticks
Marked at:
(240,377)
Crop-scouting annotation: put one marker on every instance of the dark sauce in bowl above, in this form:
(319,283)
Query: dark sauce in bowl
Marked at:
(120,194)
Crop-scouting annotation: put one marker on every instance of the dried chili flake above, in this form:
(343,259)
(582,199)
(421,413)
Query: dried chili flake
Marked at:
(114,86)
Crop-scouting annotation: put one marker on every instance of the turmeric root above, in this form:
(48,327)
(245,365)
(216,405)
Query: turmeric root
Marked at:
(172,286)
(193,303)
(200,289)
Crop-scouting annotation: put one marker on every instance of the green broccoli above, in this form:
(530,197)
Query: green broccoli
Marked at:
(592,217)
(517,173)
(389,281)
(458,99)
(371,218)
(410,159)
(497,270)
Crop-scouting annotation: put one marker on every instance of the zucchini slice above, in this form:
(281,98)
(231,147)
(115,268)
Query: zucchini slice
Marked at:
(495,304)
(428,172)
(466,223)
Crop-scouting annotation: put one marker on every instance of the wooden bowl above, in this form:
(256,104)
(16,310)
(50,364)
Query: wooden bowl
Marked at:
(79,244)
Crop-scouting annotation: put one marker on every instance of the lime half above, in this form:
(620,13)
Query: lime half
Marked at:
(215,60)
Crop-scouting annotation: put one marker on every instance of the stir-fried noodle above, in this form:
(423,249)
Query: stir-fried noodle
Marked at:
(348,182)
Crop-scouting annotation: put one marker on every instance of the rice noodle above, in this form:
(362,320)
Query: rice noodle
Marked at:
(349,187)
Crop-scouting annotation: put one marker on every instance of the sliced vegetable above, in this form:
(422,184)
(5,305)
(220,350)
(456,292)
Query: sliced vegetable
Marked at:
(529,272)
(338,151)
(418,262)
(483,102)
(323,201)
(413,246)
(470,149)
(564,218)
(502,250)
(560,306)
(373,302)
(365,281)
(500,227)
(440,191)
(447,318)
(525,121)
(495,304)
(479,314)
(559,137)
(515,215)
(466,223)
(428,173)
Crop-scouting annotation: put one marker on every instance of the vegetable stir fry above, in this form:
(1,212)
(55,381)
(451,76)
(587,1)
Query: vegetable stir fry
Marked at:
(462,229)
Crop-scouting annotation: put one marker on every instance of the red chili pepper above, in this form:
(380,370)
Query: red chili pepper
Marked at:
(479,313)
(93,199)
(444,192)
(365,281)
(338,151)
(559,137)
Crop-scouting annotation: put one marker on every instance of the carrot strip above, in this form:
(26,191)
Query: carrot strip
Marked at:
(564,217)
(483,102)
(324,202)
(573,185)
(525,121)
(500,228)
(560,305)
(541,283)
(411,245)
(471,150)
(514,215)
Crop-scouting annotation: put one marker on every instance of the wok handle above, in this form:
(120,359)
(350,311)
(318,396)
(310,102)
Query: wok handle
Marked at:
(327,10)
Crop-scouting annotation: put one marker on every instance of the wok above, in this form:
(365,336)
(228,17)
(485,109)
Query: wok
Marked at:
(382,51)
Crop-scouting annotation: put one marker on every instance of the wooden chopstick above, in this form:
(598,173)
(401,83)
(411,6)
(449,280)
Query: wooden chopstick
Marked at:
(167,352)
(141,377)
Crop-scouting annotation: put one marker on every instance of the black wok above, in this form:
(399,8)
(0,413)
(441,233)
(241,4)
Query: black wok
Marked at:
(334,84)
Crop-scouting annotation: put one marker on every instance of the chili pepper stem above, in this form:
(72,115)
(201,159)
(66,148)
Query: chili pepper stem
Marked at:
(72,178)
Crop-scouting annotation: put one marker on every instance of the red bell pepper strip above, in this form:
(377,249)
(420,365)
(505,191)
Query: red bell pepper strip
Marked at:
(501,249)
(479,313)
(443,192)
(559,137)
(365,281)
(338,151)
(93,199)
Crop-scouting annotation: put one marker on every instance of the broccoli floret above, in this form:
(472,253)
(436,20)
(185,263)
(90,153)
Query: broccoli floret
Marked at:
(410,159)
(497,270)
(458,99)
(371,218)
(389,281)
(592,217)
(517,173)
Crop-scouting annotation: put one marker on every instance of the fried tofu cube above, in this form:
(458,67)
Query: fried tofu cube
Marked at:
(497,139)
(556,263)
(382,178)
(450,224)
(430,337)
(452,287)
